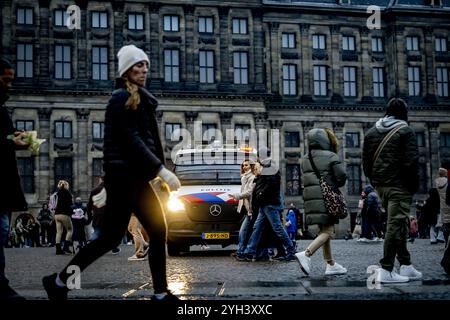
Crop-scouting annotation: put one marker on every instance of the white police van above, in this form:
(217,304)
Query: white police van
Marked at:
(201,212)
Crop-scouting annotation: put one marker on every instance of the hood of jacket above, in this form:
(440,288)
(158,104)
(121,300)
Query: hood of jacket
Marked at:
(368,189)
(318,139)
(388,123)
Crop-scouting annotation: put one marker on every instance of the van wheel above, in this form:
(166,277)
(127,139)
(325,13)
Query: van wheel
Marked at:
(174,249)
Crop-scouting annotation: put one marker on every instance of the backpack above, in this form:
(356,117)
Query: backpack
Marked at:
(53,202)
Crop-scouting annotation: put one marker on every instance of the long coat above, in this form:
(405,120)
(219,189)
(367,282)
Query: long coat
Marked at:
(11,193)
(330,167)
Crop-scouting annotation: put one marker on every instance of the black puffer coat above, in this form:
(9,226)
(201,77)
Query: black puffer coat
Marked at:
(132,146)
(11,194)
(397,165)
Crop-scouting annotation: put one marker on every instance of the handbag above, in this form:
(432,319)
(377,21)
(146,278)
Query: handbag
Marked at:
(333,198)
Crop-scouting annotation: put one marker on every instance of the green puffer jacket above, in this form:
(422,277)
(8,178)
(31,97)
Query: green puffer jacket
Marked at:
(330,167)
(397,165)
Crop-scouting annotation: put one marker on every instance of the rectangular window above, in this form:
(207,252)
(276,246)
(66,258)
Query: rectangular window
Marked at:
(414,81)
(377,44)
(412,43)
(100,19)
(100,63)
(292,139)
(441,44)
(420,137)
(171,65)
(173,131)
(240,26)
(352,140)
(97,170)
(354,179)
(25,16)
(319,41)
(292,180)
(63,129)
(209,132)
(171,23)
(242,133)
(240,65)
(205,24)
(378,82)
(206,64)
(60,18)
(289,79)
(135,21)
(442,82)
(24,60)
(445,139)
(288,40)
(349,81)
(63,170)
(26,172)
(25,125)
(98,130)
(348,43)
(63,62)
(320,80)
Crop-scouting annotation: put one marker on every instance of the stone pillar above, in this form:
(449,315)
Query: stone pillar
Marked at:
(225,41)
(258,52)
(433,145)
(155,55)
(336,78)
(365,81)
(43,184)
(400,62)
(306,62)
(82,182)
(429,78)
(189,45)
(274,44)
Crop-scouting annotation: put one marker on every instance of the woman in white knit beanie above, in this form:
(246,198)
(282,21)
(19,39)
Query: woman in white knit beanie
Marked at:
(132,157)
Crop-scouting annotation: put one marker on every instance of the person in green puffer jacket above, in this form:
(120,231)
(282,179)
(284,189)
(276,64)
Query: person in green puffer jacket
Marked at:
(323,146)
(395,176)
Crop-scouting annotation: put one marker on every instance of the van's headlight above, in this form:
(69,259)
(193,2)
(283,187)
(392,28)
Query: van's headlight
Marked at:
(175,204)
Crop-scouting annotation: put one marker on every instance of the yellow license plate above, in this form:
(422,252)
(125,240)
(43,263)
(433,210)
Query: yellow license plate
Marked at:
(216,235)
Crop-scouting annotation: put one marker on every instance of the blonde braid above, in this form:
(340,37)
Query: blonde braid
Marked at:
(134,99)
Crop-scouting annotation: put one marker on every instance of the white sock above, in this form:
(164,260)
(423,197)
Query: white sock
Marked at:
(160,296)
(59,283)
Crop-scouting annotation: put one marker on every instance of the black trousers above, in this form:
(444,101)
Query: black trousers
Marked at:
(126,196)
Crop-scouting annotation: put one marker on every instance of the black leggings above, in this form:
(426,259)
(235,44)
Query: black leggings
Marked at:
(124,197)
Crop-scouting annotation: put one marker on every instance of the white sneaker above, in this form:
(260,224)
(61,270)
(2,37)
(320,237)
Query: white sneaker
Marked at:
(304,261)
(410,272)
(135,258)
(335,269)
(384,276)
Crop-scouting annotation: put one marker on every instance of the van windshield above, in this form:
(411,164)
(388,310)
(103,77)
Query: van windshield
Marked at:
(209,174)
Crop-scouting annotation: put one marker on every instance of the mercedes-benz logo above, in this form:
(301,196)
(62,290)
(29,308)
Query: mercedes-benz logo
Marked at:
(215,210)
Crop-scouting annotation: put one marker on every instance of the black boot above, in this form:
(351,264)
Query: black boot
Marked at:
(58,249)
(67,246)
(7,293)
(54,292)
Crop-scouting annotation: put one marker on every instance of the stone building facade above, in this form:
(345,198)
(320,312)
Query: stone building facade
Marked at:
(255,64)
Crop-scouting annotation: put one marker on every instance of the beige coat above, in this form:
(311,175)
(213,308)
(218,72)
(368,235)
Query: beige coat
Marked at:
(245,195)
(441,185)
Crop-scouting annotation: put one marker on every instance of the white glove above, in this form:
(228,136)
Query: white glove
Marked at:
(169,178)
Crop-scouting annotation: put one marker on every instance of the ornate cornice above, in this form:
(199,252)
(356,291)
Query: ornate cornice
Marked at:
(83,113)
(44,113)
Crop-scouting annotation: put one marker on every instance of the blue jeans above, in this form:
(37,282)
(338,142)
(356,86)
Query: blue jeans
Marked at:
(243,238)
(5,218)
(272,214)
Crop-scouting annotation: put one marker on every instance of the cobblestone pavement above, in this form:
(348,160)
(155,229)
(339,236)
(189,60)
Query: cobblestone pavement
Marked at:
(207,274)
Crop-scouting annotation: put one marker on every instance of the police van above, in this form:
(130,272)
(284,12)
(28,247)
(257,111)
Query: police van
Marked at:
(201,212)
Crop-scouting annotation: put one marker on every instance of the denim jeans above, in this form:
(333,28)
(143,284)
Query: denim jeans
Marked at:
(272,214)
(243,234)
(5,218)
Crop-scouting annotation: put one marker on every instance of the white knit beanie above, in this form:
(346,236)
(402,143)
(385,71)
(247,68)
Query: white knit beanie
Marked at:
(130,55)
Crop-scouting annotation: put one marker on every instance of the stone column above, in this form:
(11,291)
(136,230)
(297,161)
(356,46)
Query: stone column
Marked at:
(365,81)
(306,62)
(82,181)
(336,78)
(433,147)
(189,46)
(274,56)
(258,52)
(43,184)
(429,78)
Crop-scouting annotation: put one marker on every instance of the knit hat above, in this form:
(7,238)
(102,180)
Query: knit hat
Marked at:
(442,172)
(130,55)
(264,153)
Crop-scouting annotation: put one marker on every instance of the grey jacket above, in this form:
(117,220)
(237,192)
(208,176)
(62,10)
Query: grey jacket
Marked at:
(330,167)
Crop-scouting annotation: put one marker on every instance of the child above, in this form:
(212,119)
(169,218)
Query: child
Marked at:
(291,226)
